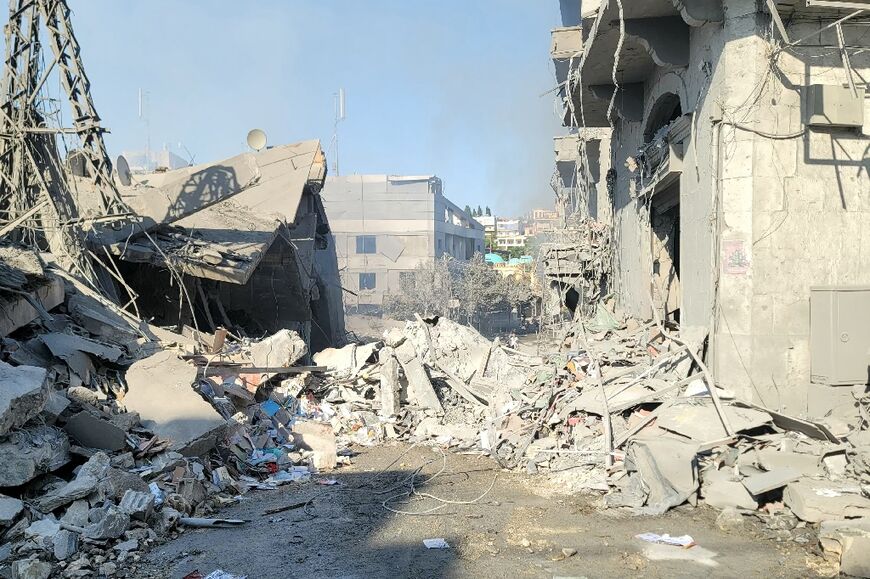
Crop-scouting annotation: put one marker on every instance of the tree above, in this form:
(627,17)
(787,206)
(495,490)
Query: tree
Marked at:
(488,212)
(426,291)
(468,211)
(479,211)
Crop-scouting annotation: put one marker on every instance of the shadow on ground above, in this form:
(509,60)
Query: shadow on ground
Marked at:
(516,530)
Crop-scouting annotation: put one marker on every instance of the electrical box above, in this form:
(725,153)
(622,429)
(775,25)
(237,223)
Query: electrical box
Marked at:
(840,335)
(829,105)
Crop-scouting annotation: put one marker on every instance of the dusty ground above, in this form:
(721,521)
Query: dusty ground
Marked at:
(516,530)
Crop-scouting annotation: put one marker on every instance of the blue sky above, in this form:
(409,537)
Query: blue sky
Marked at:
(449,87)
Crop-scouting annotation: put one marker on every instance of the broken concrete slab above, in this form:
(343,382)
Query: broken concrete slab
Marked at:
(724,494)
(31,569)
(86,482)
(280,350)
(95,432)
(815,501)
(698,419)
(42,529)
(138,505)
(77,513)
(10,507)
(849,542)
(160,391)
(420,389)
(764,482)
(668,469)
(65,544)
(390,387)
(107,523)
(772,459)
(55,404)
(61,345)
(28,453)
(318,437)
(116,482)
(22,395)
(18,310)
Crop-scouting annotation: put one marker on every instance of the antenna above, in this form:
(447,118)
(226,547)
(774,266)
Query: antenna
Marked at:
(340,114)
(257,139)
(144,117)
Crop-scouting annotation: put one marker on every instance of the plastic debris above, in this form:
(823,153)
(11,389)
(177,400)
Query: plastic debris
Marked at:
(684,541)
(438,543)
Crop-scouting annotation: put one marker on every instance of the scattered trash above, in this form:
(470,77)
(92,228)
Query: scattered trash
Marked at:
(684,541)
(436,543)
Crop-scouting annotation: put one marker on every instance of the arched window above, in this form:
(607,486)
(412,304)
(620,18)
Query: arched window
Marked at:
(666,110)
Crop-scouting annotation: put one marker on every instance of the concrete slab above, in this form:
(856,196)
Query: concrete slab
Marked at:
(768,481)
(815,501)
(419,387)
(22,395)
(26,454)
(95,432)
(160,390)
(17,311)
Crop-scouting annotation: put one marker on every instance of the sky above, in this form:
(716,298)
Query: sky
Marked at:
(444,87)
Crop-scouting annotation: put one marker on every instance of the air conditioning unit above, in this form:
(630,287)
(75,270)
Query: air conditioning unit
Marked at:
(829,105)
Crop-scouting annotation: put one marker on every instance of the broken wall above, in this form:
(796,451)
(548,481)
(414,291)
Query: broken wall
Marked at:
(795,214)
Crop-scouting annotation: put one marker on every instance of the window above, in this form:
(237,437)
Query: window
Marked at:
(366,244)
(367,281)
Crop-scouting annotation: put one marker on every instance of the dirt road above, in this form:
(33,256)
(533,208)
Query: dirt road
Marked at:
(516,530)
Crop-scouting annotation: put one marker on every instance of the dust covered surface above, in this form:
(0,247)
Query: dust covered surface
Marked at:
(521,528)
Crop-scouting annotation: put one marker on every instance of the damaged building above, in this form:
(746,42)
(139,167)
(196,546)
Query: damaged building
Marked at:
(725,144)
(387,225)
(249,237)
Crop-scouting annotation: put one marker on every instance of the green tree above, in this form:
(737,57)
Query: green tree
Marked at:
(468,211)
(479,211)
(488,212)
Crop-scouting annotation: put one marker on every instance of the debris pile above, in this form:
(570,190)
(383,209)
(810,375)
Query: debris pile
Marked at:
(115,434)
(629,411)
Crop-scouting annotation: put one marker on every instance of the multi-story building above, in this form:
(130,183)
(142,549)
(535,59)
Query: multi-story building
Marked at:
(732,164)
(509,233)
(385,225)
(541,221)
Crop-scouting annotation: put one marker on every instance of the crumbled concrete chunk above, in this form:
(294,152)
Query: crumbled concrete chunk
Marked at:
(31,569)
(22,395)
(26,454)
(138,505)
(9,509)
(108,523)
(86,482)
(66,544)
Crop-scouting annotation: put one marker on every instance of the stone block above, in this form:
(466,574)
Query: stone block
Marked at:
(31,569)
(86,482)
(107,523)
(66,544)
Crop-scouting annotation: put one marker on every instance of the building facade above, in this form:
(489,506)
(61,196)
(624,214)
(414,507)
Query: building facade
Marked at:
(386,225)
(726,143)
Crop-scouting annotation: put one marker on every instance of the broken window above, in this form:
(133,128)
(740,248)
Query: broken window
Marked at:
(367,281)
(366,244)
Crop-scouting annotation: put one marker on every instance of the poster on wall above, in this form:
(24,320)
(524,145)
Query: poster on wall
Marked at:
(735,259)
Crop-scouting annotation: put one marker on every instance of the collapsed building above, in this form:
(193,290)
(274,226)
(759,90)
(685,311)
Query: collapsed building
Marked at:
(726,147)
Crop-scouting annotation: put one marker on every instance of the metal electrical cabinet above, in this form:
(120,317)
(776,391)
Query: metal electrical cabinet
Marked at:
(840,334)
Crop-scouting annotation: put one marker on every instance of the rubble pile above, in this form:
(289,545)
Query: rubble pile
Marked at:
(629,412)
(115,434)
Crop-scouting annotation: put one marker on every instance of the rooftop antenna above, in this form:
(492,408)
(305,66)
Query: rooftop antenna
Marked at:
(338,99)
(144,117)
(257,139)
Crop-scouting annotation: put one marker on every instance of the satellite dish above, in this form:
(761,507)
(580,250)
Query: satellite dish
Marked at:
(257,139)
(123,169)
